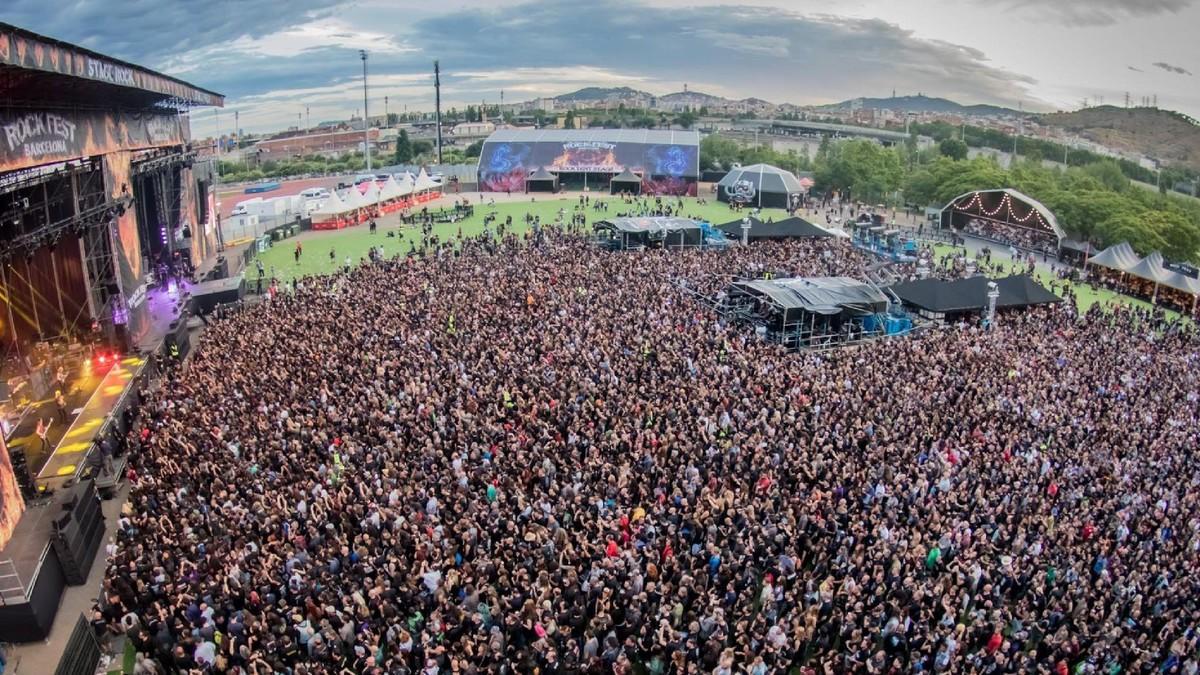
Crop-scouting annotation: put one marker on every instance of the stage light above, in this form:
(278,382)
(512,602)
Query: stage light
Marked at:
(103,359)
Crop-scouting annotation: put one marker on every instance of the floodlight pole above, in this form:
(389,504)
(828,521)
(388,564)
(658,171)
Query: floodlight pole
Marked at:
(745,231)
(366,116)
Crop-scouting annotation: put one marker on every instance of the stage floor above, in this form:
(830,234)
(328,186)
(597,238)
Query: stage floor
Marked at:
(72,450)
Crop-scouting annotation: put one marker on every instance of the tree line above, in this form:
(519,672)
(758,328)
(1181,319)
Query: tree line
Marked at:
(1095,201)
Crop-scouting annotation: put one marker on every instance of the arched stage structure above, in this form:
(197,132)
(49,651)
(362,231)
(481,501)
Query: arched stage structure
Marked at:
(1004,216)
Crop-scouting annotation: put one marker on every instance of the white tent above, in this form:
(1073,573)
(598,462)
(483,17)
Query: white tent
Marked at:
(424,182)
(390,189)
(353,198)
(371,196)
(332,206)
(405,184)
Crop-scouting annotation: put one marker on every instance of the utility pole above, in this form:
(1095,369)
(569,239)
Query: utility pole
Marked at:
(237,132)
(1020,128)
(437,104)
(385,110)
(366,116)
(307,118)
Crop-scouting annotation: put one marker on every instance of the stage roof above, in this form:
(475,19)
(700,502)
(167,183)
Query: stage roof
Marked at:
(818,295)
(652,136)
(647,224)
(965,295)
(967,201)
(36,70)
(788,228)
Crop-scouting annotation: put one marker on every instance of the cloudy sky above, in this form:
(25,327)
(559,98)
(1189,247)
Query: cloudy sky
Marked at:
(273,59)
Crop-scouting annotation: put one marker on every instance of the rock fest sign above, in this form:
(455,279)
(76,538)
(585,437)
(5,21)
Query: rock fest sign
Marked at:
(30,138)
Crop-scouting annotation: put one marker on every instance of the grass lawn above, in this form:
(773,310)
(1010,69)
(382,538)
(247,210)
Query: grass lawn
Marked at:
(356,241)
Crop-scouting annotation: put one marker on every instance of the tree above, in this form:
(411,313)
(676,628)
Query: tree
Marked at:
(569,122)
(686,119)
(420,148)
(954,149)
(717,152)
(404,149)
(474,149)
(392,119)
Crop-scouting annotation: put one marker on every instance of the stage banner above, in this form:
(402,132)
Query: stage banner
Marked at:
(127,248)
(505,165)
(32,52)
(31,138)
(11,504)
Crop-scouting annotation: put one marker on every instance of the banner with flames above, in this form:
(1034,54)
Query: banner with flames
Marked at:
(31,138)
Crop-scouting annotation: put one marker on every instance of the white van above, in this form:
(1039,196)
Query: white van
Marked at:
(315,193)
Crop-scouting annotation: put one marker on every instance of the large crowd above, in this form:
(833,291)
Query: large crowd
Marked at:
(541,457)
(1018,237)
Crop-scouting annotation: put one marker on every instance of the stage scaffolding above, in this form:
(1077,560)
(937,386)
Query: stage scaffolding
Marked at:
(815,314)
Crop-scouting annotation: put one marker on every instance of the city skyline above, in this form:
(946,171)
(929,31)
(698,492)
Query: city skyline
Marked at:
(273,65)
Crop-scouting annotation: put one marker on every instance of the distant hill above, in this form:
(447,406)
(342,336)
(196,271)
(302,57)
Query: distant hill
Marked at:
(1169,136)
(600,94)
(921,103)
(692,98)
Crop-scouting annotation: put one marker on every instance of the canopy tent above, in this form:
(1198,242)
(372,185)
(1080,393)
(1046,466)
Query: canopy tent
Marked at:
(788,228)
(1182,282)
(405,184)
(1150,268)
(651,232)
(424,182)
(332,206)
(541,181)
(371,195)
(390,189)
(353,199)
(759,185)
(1118,257)
(816,295)
(626,181)
(970,295)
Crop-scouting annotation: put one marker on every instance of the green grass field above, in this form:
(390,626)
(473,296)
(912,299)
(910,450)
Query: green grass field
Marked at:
(356,241)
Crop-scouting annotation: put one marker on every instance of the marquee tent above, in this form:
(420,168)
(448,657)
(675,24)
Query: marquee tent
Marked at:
(424,182)
(1116,257)
(541,181)
(626,181)
(788,228)
(970,295)
(759,185)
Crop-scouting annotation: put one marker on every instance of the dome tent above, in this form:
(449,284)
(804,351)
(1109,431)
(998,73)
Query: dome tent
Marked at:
(759,185)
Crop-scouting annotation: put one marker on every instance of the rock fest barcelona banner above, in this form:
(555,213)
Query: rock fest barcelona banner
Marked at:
(32,138)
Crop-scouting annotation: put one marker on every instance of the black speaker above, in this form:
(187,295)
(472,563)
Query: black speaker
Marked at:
(78,533)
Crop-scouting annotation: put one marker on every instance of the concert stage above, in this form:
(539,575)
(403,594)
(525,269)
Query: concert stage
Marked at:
(35,568)
(69,458)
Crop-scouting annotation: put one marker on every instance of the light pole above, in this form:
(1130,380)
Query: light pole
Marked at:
(385,111)
(745,231)
(992,294)
(362,53)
